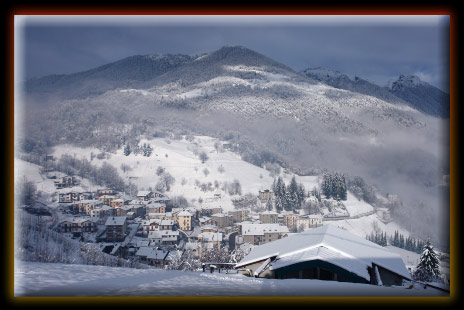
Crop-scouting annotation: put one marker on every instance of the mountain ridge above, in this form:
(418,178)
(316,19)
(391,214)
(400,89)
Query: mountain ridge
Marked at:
(407,89)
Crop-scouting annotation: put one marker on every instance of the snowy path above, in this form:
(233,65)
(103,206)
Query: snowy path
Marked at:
(41,279)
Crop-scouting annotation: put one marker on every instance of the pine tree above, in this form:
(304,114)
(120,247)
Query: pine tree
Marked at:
(428,268)
(301,195)
(278,204)
(396,239)
(269,205)
(326,185)
(127,150)
(343,191)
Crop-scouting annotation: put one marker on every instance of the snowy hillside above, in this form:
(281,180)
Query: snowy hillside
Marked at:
(232,79)
(178,158)
(41,279)
(277,115)
(352,83)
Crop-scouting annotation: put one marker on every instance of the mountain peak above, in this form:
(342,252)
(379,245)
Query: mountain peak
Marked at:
(407,81)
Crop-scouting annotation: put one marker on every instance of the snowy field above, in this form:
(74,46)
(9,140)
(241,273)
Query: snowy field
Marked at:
(42,279)
(179,159)
(365,225)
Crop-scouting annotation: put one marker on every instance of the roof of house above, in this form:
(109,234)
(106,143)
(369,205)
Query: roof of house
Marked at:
(143,193)
(184,213)
(210,236)
(151,252)
(261,229)
(268,213)
(156,234)
(330,244)
(115,220)
(74,219)
(220,215)
(204,227)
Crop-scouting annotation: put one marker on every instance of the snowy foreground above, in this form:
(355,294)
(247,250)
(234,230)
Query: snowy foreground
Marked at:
(46,279)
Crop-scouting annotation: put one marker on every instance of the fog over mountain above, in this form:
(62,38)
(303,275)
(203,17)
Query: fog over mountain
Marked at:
(309,122)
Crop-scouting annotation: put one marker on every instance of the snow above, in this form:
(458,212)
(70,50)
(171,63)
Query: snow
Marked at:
(260,229)
(330,244)
(355,206)
(116,220)
(42,279)
(363,226)
(181,163)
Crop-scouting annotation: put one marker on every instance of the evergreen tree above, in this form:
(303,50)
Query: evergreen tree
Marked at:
(301,195)
(278,204)
(401,244)
(269,205)
(343,190)
(428,268)
(396,239)
(127,150)
(326,185)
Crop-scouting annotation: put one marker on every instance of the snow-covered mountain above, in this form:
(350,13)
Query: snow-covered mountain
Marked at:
(421,95)
(272,113)
(233,80)
(131,71)
(355,84)
(407,89)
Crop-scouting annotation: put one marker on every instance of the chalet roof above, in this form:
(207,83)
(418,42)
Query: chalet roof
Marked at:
(261,229)
(210,236)
(107,196)
(116,220)
(167,222)
(204,227)
(151,221)
(330,244)
(269,213)
(76,219)
(156,234)
(184,213)
(152,253)
(143,193)
(142,243)
(219,215)
(90,201)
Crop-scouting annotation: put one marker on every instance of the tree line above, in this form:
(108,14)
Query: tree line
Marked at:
(398,240)
(334,186)
(289,197)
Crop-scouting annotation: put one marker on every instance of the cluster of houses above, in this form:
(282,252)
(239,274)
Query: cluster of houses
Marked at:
(148,226)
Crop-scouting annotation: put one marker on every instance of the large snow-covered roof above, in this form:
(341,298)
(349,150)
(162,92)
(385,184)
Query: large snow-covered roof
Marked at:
(261,229)
(116,220)
(331,244)
(210,236)
(143,193)
(184,213)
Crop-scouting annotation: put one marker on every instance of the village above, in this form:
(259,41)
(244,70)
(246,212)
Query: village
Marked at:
(149,227)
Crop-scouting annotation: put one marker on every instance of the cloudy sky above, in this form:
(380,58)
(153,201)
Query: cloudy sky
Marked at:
(378,48)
